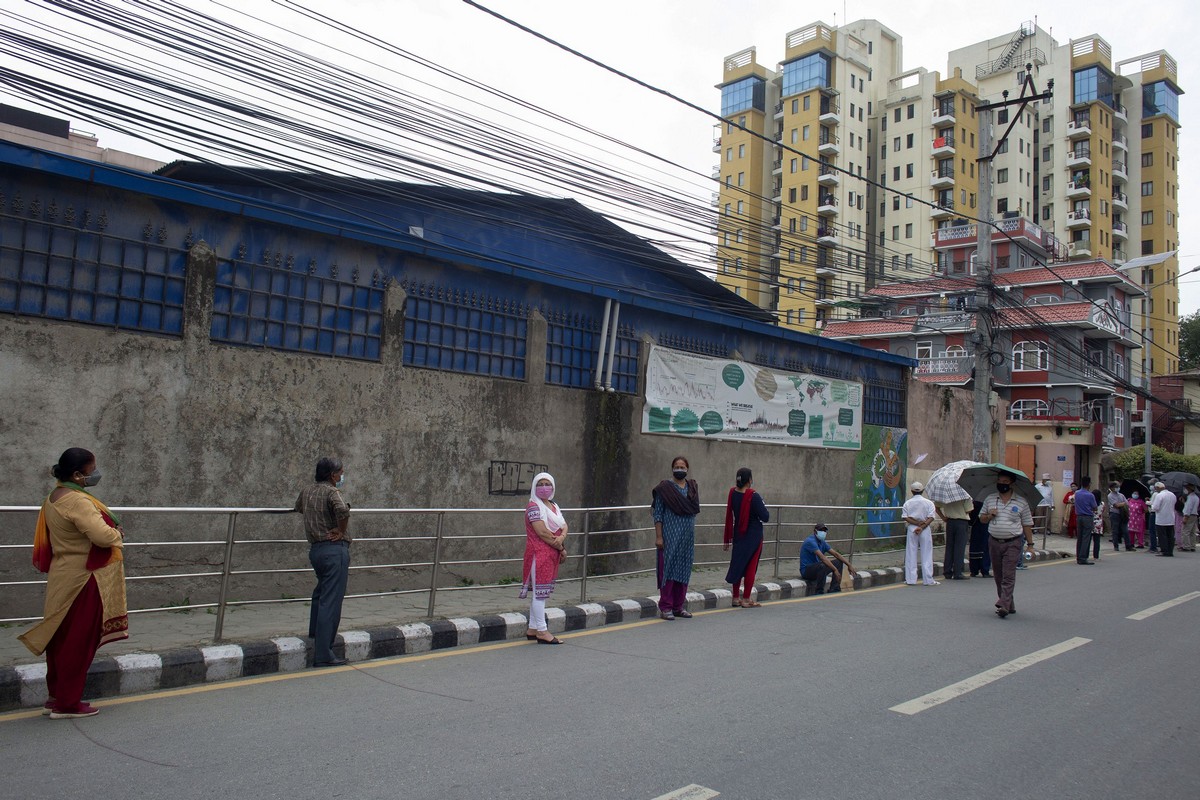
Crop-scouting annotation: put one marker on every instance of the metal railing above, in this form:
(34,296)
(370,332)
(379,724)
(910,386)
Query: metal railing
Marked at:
(637,546)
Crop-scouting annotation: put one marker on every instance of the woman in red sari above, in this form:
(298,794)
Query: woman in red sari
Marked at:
(79,543)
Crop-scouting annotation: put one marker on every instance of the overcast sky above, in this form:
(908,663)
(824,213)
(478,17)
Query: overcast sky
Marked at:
(679,45)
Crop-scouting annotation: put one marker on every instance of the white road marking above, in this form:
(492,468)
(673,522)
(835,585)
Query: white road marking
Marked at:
(984,678)
(1152,610)
(690,792)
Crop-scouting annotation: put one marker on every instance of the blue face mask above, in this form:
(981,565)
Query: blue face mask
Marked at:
(341,481)
(821,535)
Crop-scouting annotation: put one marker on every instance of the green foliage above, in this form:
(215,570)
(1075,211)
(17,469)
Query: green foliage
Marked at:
(1130,463)
(1189,341)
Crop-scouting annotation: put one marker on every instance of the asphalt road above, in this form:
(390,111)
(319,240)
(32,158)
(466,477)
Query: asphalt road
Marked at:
(791,700)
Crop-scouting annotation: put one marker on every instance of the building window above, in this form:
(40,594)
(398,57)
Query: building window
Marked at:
(1147,188)
(1118,422)
(1001,176)
(1147,159)
(1027,356)
(1147,130)
(1147,217)
(1028,409)
(908,230)
(908,143)
(792,195)
(809,72)
(804,192)
(741,151)
(741,179)
(1093,83)
(740,95)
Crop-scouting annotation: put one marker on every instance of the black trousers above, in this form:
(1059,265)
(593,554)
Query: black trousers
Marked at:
(958,532)
(815,573)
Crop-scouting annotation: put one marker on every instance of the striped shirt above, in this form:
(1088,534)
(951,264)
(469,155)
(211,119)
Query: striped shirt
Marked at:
(323,508)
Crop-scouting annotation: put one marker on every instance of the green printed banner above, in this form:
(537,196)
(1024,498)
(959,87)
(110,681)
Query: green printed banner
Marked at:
(717,398)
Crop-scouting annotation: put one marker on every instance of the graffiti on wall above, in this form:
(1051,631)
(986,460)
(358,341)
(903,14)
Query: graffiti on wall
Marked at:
(513,477)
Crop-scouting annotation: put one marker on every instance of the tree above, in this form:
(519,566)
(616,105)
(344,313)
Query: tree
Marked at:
(1189,341)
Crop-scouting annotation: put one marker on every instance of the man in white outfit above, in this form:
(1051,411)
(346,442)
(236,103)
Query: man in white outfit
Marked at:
(918,512)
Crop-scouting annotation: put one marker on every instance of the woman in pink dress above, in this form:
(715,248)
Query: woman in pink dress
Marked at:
(1137,520)
(545,549)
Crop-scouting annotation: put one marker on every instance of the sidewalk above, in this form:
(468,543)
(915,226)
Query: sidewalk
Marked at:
(175,648)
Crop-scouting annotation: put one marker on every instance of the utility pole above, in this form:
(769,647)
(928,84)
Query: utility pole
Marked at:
(981,433)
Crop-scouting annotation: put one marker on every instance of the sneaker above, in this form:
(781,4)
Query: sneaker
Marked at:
(81,710)
(933,583)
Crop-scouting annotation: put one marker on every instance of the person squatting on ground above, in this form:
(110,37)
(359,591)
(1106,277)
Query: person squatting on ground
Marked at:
(918,512)
(79,542)
(816,561)
(545,549)
(1008,517)
(326,521)
(676,504)
(745,513)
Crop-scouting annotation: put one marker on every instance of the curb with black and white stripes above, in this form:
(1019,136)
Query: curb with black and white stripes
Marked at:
(24,685)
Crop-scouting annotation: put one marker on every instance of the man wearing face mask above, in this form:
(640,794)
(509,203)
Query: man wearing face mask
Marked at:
(326,519)
(816,561)
(1008,517)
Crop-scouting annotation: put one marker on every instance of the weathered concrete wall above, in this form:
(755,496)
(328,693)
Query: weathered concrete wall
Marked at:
(186,422)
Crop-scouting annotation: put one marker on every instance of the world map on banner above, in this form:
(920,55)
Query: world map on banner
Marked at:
(718,398)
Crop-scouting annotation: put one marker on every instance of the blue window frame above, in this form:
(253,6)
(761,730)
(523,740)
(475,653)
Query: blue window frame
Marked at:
(57,270)
(1160,97)
(742,95)
(282,308)
(1094,83)
(809,72)
(572,344)
(461,331)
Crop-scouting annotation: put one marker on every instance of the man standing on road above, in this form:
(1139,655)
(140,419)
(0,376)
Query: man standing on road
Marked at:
(816,563)
(957,516)
(918,513)
(1118,516)
(1163,506)
(1190,507)
(1085,511)
(1008,517)
(326,518)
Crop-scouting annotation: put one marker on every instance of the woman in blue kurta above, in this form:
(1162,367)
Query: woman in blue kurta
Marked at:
(676,504)
(745,513)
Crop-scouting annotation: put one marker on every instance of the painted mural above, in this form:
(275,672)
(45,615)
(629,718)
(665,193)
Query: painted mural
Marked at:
(880,468)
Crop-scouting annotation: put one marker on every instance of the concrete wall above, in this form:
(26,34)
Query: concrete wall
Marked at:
(187,422)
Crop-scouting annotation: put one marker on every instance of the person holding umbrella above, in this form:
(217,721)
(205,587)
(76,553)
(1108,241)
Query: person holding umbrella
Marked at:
(954,506)
(1008,516)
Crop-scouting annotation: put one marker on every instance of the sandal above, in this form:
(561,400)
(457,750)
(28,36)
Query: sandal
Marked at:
(554,640)
(529,635)
(752,604)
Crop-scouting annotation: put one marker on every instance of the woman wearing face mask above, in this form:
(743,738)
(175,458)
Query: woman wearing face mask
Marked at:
(79,542)
(545,549)
(745,513)
(1137,520)
(676,504)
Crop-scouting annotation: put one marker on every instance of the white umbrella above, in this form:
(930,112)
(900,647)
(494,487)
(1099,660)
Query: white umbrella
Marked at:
(942,486)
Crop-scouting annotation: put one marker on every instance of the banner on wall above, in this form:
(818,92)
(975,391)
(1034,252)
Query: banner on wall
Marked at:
(719,398)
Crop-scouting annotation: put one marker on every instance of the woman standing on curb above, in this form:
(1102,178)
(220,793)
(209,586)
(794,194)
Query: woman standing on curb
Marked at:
(79,542)
(676,504)
(545,549)
(745,513)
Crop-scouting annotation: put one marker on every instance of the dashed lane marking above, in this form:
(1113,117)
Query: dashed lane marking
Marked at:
(1152,610)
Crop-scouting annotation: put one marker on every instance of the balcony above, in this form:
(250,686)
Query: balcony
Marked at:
(943,115)
(945,365)
(1080,218)
(827,236)
(831,112)
(1120,113)
(1120,171)
(1081,249)
(826,300)
(776,223)
(716,145)
(1079,128)
(828,145)
(940,178)
(1120,142)
(1079,157)
(1077,189)
(1118,256)
(945,208)
(777,166)
(828,176)
(1119,200)
(827,205)
(943,145)
(779,109)
(1120,230)
(824,268)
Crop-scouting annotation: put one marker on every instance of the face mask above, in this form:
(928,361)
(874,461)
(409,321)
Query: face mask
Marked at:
(91,480)
(821,535)
(1135,495)
(1003,487)
(341,481)
(680,474)
(544,492)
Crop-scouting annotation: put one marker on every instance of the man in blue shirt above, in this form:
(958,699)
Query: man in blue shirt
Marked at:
(1085,510)
(816,561)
